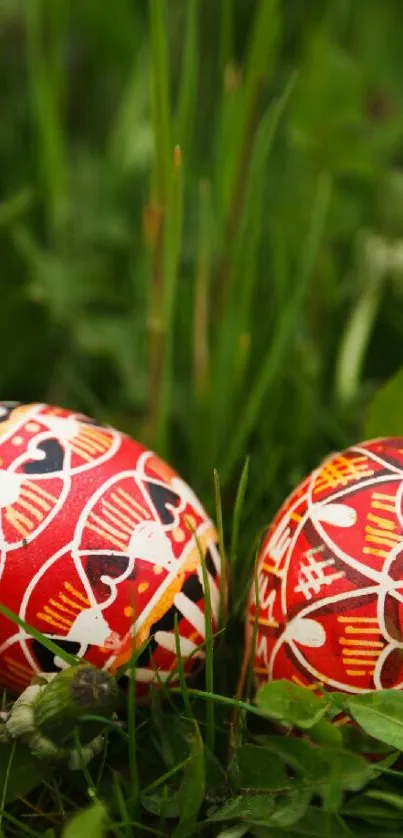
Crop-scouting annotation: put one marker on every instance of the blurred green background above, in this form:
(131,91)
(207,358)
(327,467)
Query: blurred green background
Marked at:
(201,224)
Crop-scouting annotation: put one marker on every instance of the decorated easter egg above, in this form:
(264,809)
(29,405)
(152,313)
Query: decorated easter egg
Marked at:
(100,550)
(330,576)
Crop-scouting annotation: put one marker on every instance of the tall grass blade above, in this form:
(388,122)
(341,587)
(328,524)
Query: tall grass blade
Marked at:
(172,246)
(236,328)
(46,90)
(226,34)
(155,214)
(187,98)
(236,520)
(221,546)
(161,112)
(285,329)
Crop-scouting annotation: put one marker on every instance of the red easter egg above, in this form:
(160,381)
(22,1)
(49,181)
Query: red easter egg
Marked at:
(100,549)
(330,576)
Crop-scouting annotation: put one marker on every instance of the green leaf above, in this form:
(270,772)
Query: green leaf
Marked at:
(375,805)
(278,811)
(290,704)
(326,733)
(23,774)
(236,831)
(290,807)
(162,803)
(385,413)
(248,807)
(344,771)
(328,772)
(314,824)
(301,756)
(88,822)
(356,740)
(191,793)
(388,797)
(254,767)
(380,714)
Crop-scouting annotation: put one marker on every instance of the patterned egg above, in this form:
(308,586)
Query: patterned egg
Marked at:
(330,576)
(100,549)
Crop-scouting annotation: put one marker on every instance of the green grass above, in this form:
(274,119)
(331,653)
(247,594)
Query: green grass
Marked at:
(201,209)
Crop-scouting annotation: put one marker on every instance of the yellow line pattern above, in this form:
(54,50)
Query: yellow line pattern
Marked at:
(41,491)
(35,497)
(108,537)
(346,641)
(47,619)
(12,663)
(130,520)
(383,523)
(373,551)
(19,521)
(342,470)
(357,620)
(130,500)
(57,616)
(72,590)
(125,528)
(371,653)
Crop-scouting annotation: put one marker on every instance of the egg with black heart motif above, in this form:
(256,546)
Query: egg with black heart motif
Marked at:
(101,545)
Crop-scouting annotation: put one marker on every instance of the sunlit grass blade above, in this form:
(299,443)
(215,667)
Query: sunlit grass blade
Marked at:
(285,329)
(209,645)
(236,519)
(221,546)
(252,649)
(209,664)
(187,98)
